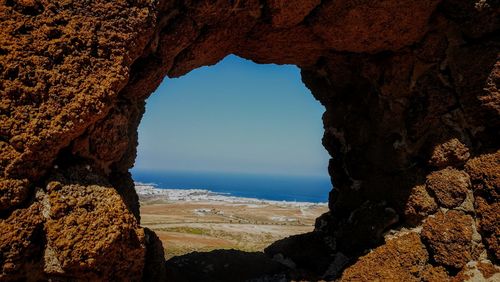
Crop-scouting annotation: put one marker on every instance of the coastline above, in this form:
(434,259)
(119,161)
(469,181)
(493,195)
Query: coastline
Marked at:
(188,220)
(150,192)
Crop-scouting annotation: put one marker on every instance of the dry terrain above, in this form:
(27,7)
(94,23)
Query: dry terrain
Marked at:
(186,226)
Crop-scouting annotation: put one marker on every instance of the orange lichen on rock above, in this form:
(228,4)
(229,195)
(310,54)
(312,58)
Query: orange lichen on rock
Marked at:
(62,65)
(449,186)
(21,235)
(488,269)
(348,26)
(478,271)
(91,233)
(485,176)
(432,273)
(13,192)
(400,259)
(489,225)
(450,153)
(419,205)
(449,237)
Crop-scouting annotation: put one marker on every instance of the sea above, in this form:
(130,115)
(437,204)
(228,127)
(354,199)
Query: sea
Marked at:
(313,189)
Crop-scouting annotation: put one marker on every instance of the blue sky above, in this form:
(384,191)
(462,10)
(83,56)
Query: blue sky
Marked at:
(236,116)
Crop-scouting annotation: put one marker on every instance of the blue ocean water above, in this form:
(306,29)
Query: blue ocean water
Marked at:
(268,187)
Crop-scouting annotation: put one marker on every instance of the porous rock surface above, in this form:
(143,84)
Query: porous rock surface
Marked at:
(412,124)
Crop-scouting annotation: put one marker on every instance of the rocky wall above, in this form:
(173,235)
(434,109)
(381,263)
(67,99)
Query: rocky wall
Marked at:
(412,124)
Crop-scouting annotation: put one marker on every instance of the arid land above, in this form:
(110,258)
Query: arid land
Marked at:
(187,226)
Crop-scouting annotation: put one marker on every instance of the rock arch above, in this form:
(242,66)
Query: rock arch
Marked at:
(412,125)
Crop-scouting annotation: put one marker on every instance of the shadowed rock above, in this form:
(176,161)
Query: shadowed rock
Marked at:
(225,265)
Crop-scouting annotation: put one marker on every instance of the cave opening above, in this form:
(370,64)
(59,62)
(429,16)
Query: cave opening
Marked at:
(411,122)
(230,157)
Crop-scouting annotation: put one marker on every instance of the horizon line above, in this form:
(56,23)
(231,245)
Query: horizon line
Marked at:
(254,173)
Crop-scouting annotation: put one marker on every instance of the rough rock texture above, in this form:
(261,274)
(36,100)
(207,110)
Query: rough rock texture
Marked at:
(450,153)
(485,175)
(419,205)
(379,265)
(449,236)
(450,186)
(90,234)
(20,248)
(13,192)
(412,124)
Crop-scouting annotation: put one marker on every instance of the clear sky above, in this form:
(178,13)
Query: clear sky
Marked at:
(236,116)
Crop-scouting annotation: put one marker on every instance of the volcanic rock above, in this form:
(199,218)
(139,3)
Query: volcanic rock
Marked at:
(449,186)
(449,237)
(410,90)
